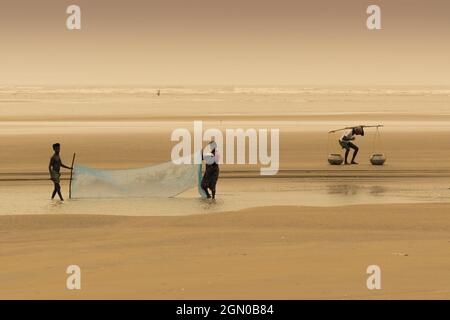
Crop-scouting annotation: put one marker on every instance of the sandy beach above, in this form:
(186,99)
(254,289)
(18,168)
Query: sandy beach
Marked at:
(309,232)
(101,101)
(259,253)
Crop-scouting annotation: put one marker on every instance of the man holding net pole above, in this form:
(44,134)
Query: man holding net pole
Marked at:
(54,168)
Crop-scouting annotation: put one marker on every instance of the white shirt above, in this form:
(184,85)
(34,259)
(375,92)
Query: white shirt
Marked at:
(208,156)
(348,135)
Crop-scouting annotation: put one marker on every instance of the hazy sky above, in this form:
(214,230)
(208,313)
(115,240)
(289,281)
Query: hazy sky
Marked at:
(227,42)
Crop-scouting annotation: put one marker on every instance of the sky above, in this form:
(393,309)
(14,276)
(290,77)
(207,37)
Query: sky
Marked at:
(227,42)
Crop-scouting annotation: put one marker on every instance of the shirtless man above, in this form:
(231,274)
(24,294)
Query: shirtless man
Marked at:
(54,168)
(347,144)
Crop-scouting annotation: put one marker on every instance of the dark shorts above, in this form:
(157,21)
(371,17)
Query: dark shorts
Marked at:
(210,177)
(55,177)
(347,145)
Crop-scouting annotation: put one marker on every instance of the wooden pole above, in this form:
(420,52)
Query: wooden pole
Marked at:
(71,173)
(347,128)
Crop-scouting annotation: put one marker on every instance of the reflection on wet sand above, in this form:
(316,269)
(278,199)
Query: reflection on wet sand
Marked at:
(353,189)
(342,189)
(377,190)
(233,194)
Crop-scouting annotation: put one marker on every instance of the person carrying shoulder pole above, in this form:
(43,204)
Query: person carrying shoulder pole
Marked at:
(346,142)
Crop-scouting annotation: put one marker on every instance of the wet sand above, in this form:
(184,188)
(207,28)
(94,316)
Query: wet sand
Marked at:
(132,146)
(309,232)
(237,191)
(260,253)
(131,127)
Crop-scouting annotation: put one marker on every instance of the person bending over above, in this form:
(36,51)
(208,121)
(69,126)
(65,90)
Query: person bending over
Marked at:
(347,144)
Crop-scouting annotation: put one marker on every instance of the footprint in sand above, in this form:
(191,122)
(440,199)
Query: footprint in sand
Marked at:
(400,254)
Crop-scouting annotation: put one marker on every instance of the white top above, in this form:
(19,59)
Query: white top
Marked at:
(208,156)
(348,135)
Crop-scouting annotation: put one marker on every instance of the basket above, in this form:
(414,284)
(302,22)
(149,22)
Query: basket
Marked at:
(335,159)
(378,159)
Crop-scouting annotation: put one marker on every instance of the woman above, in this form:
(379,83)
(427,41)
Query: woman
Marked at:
(209,180)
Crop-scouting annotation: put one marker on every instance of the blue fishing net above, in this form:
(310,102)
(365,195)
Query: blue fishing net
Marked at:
(161,180)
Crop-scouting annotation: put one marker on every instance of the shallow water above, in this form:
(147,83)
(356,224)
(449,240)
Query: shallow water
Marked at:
(31,197)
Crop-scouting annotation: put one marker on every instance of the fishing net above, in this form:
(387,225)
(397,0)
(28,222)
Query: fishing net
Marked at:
(161,180)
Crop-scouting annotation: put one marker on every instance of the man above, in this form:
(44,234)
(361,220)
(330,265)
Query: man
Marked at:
(209,180)
(347,144)
(54,168)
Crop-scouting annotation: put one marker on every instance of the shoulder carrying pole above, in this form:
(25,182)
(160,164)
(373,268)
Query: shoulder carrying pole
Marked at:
(347,128)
